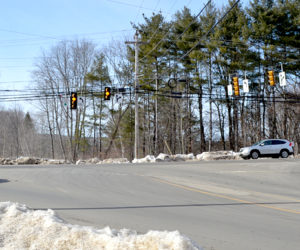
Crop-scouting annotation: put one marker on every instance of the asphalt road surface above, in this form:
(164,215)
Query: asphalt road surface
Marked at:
(252,204)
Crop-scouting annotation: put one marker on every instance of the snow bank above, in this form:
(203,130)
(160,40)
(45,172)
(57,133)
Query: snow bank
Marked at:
(218,155)
(148,158)
(185,157)
(165,157)
(98,161)
(115,160)
(22,228)
(24,160)
(206,156)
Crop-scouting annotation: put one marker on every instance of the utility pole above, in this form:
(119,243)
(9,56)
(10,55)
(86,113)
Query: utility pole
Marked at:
(156,113)
(210,105)
(136,85)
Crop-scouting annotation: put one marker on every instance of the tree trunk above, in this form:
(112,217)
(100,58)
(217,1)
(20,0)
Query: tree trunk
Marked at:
(200,107)
(50,129)
(115,132)
(144,128)
(221,125)
(189,134)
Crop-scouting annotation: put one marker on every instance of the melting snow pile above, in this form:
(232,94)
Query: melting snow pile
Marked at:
(22,228)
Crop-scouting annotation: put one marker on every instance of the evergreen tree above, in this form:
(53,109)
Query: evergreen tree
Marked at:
(232,56)
(97,79)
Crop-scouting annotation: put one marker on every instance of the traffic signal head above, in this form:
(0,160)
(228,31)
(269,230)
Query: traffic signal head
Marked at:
(73,100)
(271,78)
(107,93)
(236,86)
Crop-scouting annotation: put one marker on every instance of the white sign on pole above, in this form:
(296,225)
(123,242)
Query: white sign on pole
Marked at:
(229,88)
(245,86)
(282,79)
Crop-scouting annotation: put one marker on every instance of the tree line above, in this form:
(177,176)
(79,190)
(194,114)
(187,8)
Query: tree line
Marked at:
(185,65)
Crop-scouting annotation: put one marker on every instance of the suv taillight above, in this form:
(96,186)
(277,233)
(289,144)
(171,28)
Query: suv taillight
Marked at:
(291,144)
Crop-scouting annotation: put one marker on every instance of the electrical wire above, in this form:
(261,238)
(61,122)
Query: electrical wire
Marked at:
(129,4)
(45,39)
(157,29)
(169,30)
(211,29)
(139,10)
(162,93)
(28,34)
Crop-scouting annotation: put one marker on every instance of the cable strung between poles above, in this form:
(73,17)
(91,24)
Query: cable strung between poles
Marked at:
(211,29)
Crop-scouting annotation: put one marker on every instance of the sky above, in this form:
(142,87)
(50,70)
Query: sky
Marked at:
(29,27)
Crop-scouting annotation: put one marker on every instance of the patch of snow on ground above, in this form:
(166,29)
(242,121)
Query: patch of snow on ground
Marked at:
(218,155)
(165,157)
(148,158)
(185,156)
(22,228)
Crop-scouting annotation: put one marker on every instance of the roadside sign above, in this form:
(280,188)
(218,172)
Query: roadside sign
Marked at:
(282,80)
(245,86)
(229,89)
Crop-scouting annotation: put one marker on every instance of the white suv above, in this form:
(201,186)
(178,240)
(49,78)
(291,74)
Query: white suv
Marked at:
(269,147)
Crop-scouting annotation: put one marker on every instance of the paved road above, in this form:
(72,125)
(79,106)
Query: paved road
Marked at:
(232,205)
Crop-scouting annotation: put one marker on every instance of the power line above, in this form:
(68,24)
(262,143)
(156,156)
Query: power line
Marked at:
(172,27)
(194,19)
(211,29)
(161,93)
(155,32)
(28,34)
(157,3)
(45,39)
(129,4)
(141,5)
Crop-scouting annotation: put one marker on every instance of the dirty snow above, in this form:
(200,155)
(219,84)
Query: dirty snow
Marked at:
(218,155)
(23,228)
(164,157)
(205,156)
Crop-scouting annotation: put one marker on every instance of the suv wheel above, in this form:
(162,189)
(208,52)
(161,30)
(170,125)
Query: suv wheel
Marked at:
(254,154)
(284,153)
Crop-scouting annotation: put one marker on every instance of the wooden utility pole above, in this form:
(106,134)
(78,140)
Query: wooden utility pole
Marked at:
(210,104)
(136,43)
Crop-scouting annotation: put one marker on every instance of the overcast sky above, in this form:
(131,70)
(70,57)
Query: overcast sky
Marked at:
(28,27)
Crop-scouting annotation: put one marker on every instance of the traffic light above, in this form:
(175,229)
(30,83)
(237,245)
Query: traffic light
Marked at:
(236,86)
(73,100)
(271,78)
(107,93)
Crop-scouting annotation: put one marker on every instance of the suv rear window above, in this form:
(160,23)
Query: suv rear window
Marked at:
(277,142)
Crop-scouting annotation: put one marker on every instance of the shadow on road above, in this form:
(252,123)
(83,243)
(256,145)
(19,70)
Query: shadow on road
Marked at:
(169,206)
(3,181)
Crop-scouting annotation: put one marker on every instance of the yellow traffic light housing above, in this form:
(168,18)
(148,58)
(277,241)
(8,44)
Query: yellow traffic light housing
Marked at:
(236,86)
(107,93)
(271,78)
(73,100)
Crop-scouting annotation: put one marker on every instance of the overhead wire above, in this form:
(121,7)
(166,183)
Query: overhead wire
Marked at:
(45,39)
(28,34)
(186,27)
(169,30)
(157,29)
(194,20)
(211,29)
(157,3)
(141,5)
(129,4)
(40,95)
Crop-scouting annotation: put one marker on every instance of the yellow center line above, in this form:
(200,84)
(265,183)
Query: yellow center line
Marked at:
(224,196)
